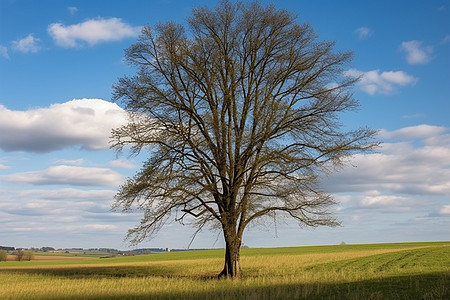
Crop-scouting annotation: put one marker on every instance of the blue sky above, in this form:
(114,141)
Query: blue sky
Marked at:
(59,59)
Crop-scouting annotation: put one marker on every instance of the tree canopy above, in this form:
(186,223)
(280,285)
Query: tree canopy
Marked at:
(240,112)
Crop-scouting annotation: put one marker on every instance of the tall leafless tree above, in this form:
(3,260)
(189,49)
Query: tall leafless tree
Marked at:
(239,109)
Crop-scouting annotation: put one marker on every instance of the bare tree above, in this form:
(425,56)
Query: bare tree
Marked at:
(3,255)
(23,255)
(239,109)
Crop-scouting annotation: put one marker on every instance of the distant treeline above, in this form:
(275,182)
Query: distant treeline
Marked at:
(7,248)
(106,250)
(44,249)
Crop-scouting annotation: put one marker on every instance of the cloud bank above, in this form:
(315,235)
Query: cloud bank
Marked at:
(67,175)
(86,123)
(40,215)
(402,190)
(403,187)
(91,32)
(416,164)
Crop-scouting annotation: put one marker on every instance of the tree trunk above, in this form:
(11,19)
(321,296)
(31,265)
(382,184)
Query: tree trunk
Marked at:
(232,267)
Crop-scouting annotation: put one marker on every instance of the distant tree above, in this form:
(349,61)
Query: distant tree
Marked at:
(24,255)
(28,255)
(19,254)
(47,249)
(3,255)
(240,114)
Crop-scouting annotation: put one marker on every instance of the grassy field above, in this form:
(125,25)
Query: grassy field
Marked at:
(378,271)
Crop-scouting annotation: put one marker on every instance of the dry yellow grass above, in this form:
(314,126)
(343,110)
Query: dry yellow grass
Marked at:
(411,272)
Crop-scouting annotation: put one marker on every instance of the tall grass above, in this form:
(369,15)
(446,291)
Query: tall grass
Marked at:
(389,271)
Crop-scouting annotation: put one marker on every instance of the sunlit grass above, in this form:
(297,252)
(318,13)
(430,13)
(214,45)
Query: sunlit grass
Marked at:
(389,271)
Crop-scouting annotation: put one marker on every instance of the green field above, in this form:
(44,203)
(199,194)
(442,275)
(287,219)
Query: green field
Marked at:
(378,271)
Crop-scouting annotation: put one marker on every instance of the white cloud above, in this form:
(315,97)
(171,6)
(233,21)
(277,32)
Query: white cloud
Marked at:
(375,199)
(3,167)
(445,210)
(70,162)
(69,217)
(97,227)
(413,132)
(376,82)
(92,32)
(86,123)
(67,175)
(123,164)
(416,53)
(363,32)
(4,52)
(28,44)
(66,194)
(72,9)
(441,141)
(412,165)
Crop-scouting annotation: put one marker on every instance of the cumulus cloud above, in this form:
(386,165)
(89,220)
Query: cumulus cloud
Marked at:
(28,44)
(416,52)
(363,32)
(92,32)
(81,122)
(403,187)
(376,82)
(67,175)
(412,165)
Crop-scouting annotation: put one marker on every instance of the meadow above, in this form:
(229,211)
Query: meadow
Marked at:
(377,271)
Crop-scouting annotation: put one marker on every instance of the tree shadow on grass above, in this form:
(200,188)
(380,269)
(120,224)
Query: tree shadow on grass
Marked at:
(435,286)
(431,286)
(96,271)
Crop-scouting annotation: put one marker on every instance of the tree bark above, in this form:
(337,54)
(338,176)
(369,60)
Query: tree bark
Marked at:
(232,267)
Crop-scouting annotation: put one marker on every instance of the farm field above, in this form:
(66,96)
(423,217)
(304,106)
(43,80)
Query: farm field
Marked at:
(376,271)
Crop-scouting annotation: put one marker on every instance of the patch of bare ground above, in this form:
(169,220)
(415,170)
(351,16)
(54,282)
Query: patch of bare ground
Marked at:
(47,257)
